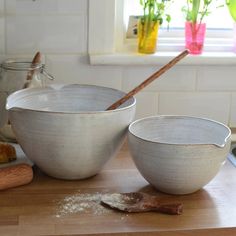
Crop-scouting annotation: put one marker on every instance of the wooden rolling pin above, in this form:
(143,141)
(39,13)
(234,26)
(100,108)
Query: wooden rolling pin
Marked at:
(14,176)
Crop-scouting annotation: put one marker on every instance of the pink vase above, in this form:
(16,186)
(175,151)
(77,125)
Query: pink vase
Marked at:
(194,37)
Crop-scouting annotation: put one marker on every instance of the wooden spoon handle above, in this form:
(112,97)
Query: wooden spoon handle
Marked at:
(148,80)
(30,74)
(36,59)
(171,209)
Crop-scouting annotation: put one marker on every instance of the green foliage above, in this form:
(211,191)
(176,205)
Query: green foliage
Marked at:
(196,10)
(232,8)
(154,10)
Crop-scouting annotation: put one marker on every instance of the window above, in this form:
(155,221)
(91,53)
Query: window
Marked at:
(219,34)
(108,43)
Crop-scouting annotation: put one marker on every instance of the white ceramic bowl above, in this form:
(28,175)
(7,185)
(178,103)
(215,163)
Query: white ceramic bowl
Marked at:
(178,154)
(65,130)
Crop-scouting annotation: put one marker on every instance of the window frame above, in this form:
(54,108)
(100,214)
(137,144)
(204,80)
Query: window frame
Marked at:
(102,20)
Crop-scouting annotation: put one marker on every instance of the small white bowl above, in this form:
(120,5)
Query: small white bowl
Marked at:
(65,130)
(178,154)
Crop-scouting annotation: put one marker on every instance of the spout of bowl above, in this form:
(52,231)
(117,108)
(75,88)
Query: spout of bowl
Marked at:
(14,109)
(225,138)
(11,104)
(224,142)
(11,107)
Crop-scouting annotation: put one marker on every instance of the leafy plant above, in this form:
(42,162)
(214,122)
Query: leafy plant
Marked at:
(232,8)
(154,10)
(196,10)
(153,14)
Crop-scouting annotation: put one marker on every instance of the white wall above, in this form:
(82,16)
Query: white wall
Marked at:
(59,29)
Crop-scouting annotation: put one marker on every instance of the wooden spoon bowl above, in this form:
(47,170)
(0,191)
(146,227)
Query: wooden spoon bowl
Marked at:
(139,202)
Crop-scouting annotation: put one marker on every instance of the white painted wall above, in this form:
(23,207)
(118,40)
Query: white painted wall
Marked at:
(59,29)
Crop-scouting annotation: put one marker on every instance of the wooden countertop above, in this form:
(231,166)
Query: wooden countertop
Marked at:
(49,206)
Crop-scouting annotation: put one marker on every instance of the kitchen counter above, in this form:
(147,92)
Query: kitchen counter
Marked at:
(49,206)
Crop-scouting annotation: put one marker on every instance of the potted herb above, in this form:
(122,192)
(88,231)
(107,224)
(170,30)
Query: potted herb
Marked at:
(195,11)
(149,22)
(232,10)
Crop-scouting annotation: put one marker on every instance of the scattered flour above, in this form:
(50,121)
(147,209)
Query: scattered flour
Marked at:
(81,203)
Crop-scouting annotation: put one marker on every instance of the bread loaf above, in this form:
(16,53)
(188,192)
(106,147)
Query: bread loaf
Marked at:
(7,152)
(14,176)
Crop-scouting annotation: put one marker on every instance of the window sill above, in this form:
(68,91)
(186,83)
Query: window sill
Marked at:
(160,58)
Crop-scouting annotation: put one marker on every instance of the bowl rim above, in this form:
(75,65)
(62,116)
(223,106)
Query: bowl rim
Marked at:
(61,86)
(227,138)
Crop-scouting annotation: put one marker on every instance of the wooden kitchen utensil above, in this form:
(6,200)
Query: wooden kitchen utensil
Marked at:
(148,80)
(16,175)
(140,202)
(30,74)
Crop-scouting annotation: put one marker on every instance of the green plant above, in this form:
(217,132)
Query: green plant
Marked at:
(232,8)
(196,10)
(154,10)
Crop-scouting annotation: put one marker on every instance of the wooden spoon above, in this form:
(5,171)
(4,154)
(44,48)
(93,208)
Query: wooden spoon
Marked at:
(30,74)
(148,80)
(140,202)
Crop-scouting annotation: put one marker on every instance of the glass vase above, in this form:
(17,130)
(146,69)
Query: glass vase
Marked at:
(194,37)
(147,36)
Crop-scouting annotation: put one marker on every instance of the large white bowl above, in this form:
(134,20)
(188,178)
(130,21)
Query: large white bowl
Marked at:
(65,130)
(178,154)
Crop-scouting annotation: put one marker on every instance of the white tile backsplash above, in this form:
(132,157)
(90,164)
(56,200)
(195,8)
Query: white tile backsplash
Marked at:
(59,29)
(76,69)
(2,8)
(217,78)
(46,7)
(2,34)
(178,78)
(147,104)
(2,28)
(49,34)
(210,105)
(232,122)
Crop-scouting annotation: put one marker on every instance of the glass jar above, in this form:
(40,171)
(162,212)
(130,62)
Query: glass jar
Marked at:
(15,75)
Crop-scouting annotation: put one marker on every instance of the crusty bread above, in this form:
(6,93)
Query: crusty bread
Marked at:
(7,152)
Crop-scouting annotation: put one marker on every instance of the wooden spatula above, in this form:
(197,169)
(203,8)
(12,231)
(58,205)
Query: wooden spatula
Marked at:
(140,202)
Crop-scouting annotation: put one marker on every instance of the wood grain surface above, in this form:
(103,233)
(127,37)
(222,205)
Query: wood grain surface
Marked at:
(45,206)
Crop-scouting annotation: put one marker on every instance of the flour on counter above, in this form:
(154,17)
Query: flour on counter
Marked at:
(81,203)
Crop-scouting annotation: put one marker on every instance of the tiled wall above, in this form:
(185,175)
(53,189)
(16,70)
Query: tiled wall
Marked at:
(59,29)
